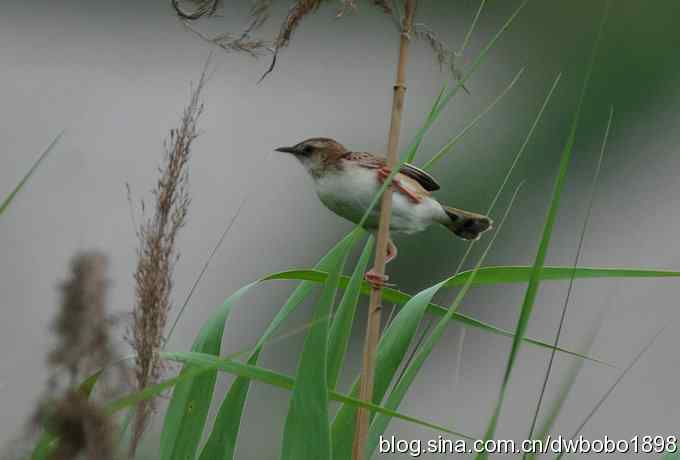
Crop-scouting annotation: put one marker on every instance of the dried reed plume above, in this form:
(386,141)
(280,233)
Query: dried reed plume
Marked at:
(81,325)
(157,255)
(81,427)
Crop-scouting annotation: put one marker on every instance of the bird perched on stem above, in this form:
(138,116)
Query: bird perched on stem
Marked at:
(346,182)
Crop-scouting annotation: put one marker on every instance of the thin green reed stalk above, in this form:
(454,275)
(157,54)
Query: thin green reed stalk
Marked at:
(539,261)
(577,258)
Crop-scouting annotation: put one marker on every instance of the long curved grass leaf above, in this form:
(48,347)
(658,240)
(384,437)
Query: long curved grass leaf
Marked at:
(306,433)
(6,202)
(509,274)
(188,409)
(539,261)
(205,363)
(398,393)
(221,443)
(341,327)
(392,348)
(285,382)
(492,275)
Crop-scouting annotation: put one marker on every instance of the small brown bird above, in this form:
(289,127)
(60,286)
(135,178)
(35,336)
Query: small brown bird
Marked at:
(346,182)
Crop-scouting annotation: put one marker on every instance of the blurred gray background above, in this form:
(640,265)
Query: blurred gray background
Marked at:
(116,75)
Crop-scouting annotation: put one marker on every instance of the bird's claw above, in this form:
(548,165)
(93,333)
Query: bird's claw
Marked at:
(377,280)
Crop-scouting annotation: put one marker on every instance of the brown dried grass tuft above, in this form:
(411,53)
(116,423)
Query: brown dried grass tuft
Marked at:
(297,12)
(203,8)
(81,325)
(244,42)
(83,330)
(83,429)
(157,255)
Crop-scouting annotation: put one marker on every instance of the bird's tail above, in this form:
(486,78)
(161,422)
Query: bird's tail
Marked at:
(465,224)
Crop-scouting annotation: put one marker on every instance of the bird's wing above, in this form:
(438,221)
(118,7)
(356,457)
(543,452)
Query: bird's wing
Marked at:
(424,179)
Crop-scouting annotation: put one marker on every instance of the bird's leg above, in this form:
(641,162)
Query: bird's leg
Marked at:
(384,173)
(378,280)
(391,252)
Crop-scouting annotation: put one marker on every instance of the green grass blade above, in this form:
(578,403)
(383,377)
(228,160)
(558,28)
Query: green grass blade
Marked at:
(410,155)
(301,292)
(443,102)
(202,363)
(609,391)
(492,206)
(446,149)
(576,367)
(508,274)
(539,262)
(221,443)
(188,409)
(491,275)
(526,141)
(272,378)
(521,274)
(306,433)
(341,327)
(5,204)
(398,393)
(566,385)
(392,348)
(468,35)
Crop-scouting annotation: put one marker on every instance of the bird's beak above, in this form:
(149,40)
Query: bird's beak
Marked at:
(287,150)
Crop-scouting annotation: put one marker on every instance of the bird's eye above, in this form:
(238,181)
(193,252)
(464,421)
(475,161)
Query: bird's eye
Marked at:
(307,149)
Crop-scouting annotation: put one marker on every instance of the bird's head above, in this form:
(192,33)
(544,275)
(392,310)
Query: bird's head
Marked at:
(317,154)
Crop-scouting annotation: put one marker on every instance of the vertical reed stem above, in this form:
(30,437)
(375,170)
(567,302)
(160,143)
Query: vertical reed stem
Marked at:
(374,309)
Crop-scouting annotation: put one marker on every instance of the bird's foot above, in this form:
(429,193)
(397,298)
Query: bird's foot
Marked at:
(377,280)
(384,173)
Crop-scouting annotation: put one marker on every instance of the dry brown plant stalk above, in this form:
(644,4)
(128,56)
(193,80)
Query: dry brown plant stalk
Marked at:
(157,255)
(82,428)
(374,309)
